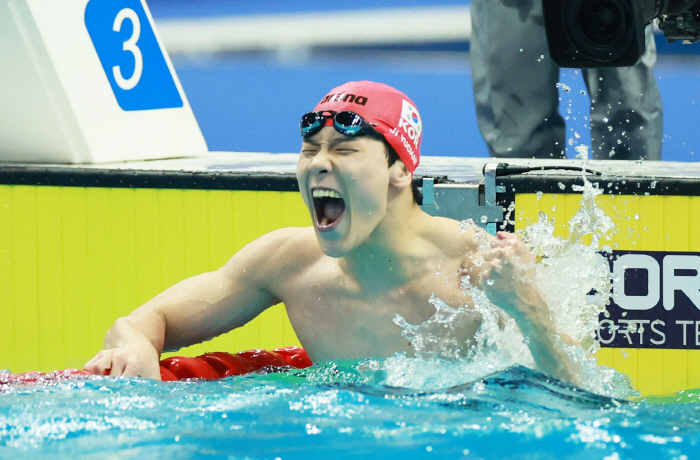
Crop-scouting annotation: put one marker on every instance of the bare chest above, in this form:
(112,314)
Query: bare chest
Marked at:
(339,317)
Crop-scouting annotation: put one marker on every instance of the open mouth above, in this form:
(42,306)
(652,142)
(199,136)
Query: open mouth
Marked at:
(329,206)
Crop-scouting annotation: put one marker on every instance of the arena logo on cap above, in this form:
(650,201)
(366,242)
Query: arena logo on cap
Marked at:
(410,122)
(360,100)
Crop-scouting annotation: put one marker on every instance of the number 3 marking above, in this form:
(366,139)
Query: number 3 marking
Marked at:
(130,46)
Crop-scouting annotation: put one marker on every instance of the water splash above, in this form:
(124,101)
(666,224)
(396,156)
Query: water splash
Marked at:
(442,360)
(497,345)
(438,336)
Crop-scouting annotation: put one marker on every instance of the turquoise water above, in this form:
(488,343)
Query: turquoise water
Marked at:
(339,411)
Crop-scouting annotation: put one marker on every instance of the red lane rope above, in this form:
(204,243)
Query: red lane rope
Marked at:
(209,366)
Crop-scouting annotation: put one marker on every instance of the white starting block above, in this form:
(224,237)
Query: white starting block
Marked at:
(89,81)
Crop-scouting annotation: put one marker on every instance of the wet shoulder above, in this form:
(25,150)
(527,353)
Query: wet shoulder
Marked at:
(291,245)
(456,239)
(274,257)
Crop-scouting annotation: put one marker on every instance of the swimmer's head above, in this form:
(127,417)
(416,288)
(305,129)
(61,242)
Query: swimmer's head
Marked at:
(381,109)
(342,171)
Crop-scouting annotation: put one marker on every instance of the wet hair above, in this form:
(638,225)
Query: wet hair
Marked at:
(392,157)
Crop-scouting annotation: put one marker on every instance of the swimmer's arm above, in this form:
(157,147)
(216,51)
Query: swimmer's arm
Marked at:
(508,280)
(193,310)
(544,342)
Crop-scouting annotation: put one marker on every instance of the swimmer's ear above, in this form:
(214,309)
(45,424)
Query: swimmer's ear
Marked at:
(399,175)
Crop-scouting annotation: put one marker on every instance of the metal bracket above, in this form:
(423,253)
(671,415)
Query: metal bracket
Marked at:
(475,201)
(490,184)
(428,191)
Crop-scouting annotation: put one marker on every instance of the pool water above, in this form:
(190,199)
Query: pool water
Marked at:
(333,410)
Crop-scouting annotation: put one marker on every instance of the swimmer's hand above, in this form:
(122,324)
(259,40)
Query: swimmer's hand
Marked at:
(131,360)
(508,280)
(128,351)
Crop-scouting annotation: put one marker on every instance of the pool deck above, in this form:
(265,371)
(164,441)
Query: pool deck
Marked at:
(458,169)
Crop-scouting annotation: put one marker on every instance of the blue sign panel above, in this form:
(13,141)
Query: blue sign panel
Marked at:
(656,302)
(130,55)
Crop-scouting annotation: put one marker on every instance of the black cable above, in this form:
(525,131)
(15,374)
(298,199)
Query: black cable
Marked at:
(504,169)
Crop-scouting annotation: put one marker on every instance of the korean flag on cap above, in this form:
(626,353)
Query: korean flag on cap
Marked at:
(410,114)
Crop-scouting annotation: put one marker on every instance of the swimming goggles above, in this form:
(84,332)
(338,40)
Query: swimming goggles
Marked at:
(345,122)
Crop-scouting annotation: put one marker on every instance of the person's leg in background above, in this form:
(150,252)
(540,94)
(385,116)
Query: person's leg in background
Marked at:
(626,113)
(515,80)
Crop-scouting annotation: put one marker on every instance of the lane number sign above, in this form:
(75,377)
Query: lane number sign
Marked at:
(130,55)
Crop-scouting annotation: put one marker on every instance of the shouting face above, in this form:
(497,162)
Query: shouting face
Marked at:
(344,182)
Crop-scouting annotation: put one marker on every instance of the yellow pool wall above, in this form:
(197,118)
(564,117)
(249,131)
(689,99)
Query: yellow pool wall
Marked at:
(643,223)
(73,259)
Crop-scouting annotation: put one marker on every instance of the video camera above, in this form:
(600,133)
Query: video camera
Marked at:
(610,33)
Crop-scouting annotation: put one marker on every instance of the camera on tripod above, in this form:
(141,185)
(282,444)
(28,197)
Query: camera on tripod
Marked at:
(610,33)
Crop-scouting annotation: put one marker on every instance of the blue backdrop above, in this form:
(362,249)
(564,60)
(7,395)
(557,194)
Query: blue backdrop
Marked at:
(254,103)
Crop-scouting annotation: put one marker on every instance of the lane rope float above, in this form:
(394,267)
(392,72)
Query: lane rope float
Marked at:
(209,366)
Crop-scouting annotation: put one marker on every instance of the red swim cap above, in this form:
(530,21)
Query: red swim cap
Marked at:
(395,115)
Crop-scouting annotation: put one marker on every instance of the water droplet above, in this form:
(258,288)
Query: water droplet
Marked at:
(539,195)
(521,50)
(605,120)
(561,186)
(636,217)
(610,128)
(484,219)
(581,151)
(490,282)
(583,92)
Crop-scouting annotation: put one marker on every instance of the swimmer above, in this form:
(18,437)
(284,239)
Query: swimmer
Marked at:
(371,253)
